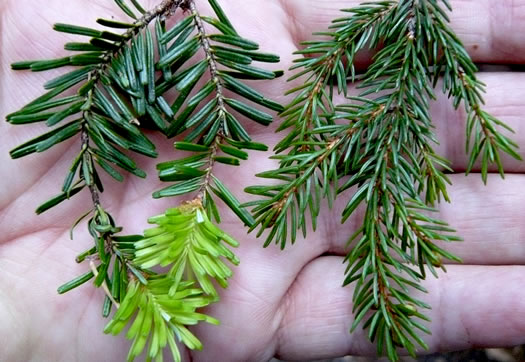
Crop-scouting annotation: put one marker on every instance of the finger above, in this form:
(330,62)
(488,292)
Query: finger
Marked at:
(490,30)
(488,217)
(473,306)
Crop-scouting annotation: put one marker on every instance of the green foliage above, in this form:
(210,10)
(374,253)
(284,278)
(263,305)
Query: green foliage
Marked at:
(103,114)
(114,255)
(159,308)
(157,317)
(208,119)
(227,57)
(381,145)
(187,241)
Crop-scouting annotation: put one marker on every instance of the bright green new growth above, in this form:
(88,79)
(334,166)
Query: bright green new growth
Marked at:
(187,241)
(380,144)
(120,86)
(156,316)
(164,305)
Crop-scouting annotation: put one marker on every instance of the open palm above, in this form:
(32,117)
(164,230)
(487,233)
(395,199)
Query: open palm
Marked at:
(286,303)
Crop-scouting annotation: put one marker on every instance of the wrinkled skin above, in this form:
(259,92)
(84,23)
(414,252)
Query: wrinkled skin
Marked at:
(289,304)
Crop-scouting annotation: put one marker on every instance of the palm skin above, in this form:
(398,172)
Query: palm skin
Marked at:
(286,303)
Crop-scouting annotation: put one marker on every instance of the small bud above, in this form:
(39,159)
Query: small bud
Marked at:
(408,308)
(437,261)
(116,230)
(103,228)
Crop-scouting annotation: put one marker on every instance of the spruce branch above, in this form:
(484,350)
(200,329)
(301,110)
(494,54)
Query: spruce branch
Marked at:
(484,139)
(381,143)
(308,179)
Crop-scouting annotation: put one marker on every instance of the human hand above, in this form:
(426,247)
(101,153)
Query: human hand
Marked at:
(287,303)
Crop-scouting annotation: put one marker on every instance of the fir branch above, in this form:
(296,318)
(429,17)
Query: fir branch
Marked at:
(185,239)
(112,65)
(220,136)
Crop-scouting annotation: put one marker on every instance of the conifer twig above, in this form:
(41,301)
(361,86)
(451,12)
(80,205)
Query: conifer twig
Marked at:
(385,151)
